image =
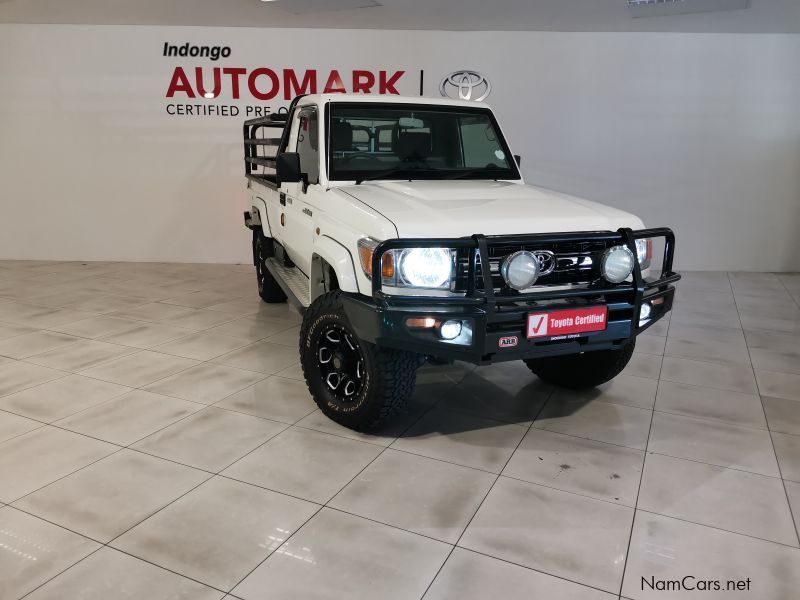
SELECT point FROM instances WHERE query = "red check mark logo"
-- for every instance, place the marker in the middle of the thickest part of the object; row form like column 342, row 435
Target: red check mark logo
column 536, row 326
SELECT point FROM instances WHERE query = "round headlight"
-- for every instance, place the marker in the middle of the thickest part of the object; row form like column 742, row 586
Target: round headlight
column 426, row 267
column 520, row 270
column 617, row 264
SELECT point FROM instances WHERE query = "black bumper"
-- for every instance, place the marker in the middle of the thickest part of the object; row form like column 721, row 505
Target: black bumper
column 499, row 322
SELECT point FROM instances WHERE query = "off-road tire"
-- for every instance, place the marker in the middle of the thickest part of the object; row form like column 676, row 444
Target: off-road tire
column 268, row 288
column 582, row 371
column 387, row 376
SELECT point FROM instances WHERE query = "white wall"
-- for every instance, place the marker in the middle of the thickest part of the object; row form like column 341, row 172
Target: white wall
column 699, row 132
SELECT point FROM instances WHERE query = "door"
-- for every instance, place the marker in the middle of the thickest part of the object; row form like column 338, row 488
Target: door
column 298, row 228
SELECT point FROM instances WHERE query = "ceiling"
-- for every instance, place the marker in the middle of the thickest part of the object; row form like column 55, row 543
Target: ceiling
column 763, row 16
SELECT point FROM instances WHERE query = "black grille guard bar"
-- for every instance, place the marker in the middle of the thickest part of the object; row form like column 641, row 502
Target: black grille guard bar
column 480, row 243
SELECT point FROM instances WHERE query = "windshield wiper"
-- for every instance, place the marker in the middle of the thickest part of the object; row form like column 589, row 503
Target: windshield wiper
column 386, row 173
column 483, row 170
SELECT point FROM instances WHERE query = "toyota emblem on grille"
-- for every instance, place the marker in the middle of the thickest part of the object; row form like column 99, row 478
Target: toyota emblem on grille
column 547, row 261
column 465, row 85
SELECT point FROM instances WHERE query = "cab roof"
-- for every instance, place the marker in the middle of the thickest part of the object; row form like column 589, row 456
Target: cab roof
column 322, row 99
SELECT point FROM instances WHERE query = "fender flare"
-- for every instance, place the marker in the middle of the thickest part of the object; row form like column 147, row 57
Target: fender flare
column 260, row 205
column 339, row 258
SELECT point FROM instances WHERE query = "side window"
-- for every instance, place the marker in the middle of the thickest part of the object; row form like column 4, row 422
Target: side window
column 308, row 144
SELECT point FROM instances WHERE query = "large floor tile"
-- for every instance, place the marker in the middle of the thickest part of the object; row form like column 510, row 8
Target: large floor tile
column 723, row 377
column 787, row 447
column 709, row 316
column 714, row 443
column 16, row 376
column 130, row 417
column 644, row 365
column 782, row 415
column 8, row 330
column 288, row 337
column 260, row 356
column 304, row 463
column 470, row 576
column 210, row 439
column 146, row 335
column 710, row 403
column 97, row 327
column 61, row 397
column 793, row 493
column 665, row 549
column 702, row 493
column 57, row 453
column 218, row 532
column 710, row 344
column 780, row 320
column 140, row 369
column 34, row 551
column 23, row 346
column 463, row 439
column 419, row 494
column 81, row 355
column 383, row 436
column 252, row 328
column 601, row 421
column 153, row 311
column 604, row 471
column 199, row 299
column 12, row 425
column 774, row 351
column 206, row 383
column 566, row 535
column 276, row 398
column 198, row 320
column 112, row 495
column 203, row 345
column 639, row 392
column 109, row 573
column 504, row 392
column 336, row 555
column 780, row 385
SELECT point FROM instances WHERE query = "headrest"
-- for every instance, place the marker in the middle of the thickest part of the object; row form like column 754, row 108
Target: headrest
column 341, row 136
column 413, row 144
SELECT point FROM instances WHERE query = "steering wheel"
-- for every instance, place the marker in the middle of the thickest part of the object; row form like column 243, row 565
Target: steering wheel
column 359, row 156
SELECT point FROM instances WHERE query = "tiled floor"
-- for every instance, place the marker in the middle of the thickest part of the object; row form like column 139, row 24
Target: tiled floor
column 156, row 441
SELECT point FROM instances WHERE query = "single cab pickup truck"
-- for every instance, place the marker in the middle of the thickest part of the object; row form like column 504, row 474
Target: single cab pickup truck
column 403, row 231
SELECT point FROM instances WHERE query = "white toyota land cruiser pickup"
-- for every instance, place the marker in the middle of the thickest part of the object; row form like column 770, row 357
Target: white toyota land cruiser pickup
column 402, row 229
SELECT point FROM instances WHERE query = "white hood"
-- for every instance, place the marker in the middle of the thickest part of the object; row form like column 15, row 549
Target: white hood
column 463, row 208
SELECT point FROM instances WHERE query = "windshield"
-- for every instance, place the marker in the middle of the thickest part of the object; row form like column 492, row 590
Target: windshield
column 407, row 141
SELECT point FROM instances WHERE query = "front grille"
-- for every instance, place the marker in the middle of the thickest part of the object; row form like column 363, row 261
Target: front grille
column 577, row 263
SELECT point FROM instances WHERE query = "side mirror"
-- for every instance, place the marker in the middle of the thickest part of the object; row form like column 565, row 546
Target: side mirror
column 518, row 159
column 287, row 167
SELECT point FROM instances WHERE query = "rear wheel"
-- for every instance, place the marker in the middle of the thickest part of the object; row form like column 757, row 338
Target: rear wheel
column 355, row 383
column 581, row 371
column 268, row 288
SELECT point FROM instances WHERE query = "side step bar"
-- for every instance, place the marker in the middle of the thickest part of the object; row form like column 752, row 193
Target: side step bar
column 293, row 283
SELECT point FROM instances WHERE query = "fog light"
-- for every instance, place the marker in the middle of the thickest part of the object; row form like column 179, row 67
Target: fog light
column 450, row 330
column 520, row 270
column 645, row 311
column 617, row 264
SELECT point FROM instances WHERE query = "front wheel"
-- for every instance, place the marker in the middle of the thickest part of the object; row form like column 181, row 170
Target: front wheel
column 582, row 371
column 355, row 383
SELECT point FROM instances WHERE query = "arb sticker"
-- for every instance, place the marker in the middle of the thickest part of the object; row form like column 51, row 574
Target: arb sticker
column 565, row 322
column 508, row 342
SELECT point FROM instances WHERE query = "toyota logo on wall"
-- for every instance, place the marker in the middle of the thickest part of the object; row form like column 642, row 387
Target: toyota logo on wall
column 465, row 85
